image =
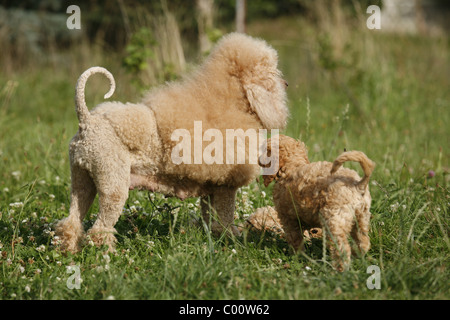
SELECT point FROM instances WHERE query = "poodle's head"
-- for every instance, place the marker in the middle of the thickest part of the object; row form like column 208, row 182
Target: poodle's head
column 255, row 64
column 284, row 151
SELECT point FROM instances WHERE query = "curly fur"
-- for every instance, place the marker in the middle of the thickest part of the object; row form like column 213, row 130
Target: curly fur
column 125, row 146
column 265, row 219
column 322, row 194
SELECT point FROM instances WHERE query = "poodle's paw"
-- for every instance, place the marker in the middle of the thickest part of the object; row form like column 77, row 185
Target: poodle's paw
column 69, row 234
column 218, row 229
column 102, row 236
column 235, row 230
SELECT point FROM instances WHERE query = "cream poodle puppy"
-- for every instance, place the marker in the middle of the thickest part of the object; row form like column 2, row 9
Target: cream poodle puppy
column 120, row 146
column 321, row 195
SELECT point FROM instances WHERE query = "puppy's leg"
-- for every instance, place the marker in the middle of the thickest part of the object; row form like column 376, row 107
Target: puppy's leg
column 112, row 187
column 340, row 250
column 338, row 225
column 218, row 210
column 360, row 231
column 292, row 229
column 70, row 230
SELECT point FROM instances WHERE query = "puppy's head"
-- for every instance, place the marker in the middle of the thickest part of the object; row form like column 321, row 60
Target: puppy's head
column 282, row 150
column 255, row 64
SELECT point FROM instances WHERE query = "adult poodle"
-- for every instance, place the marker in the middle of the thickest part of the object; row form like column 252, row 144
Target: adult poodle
column 120, row 146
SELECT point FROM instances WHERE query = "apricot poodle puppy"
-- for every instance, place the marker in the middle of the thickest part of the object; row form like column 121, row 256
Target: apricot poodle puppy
column 120, row 146
column 321, row 194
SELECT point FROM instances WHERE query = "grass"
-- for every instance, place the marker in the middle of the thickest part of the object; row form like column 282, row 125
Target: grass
column 386, row 95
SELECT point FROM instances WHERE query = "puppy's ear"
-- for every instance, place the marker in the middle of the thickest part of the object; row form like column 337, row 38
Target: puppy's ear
column 267, row 97
column 268, row 179
column 269, row 160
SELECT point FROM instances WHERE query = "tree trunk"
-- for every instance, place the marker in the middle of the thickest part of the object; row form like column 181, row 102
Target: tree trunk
column 240, row 16
column 205, row 11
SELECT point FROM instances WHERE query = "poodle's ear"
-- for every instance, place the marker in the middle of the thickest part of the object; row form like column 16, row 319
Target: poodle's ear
column 255, row 64
column 267, row 98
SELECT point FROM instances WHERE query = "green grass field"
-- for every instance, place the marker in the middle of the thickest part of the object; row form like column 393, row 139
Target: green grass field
column 386, row 95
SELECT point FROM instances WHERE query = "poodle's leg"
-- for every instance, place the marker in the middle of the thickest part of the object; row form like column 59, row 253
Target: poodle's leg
column 293, row 231
column 360, row 231
column 207, row 207
column 218, row 210
column 112, row 189
column 70, row 229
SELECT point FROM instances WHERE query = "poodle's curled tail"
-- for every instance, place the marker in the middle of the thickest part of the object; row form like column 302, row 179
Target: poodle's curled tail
column 80, row 103
column 366, row 164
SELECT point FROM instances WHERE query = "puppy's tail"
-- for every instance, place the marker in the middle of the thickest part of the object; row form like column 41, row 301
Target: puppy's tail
column 80, row 103
column 366, row 164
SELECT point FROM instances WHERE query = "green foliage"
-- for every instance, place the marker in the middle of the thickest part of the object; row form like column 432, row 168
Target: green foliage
column 138, row 53
column 145, row 62
column 326, row 58
column 259, row 9
column 214, row 35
